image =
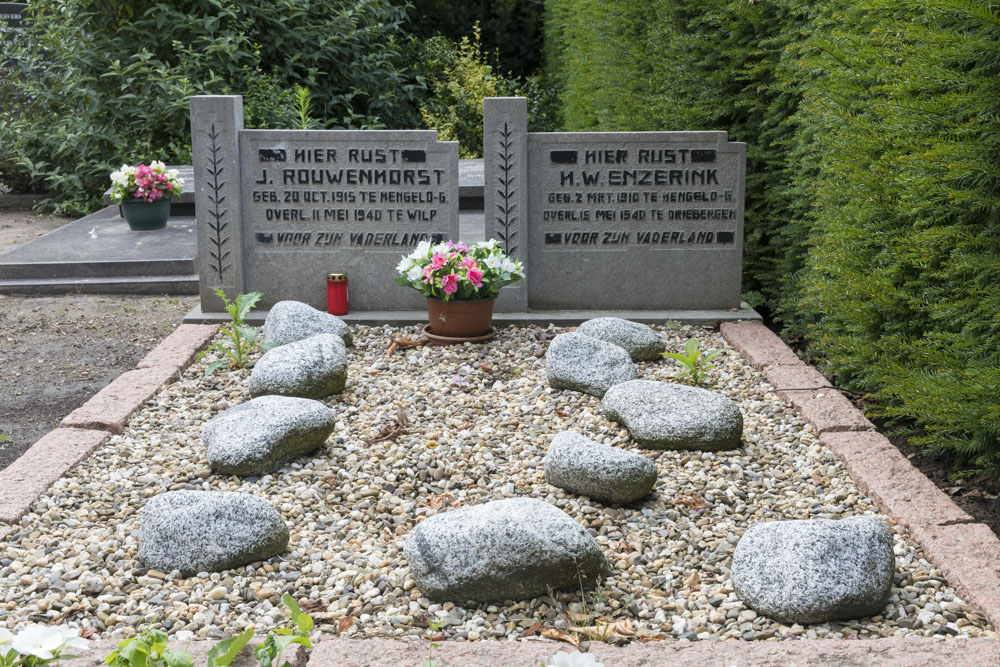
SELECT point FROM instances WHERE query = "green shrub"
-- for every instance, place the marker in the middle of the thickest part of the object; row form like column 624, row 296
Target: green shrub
column 108, row 81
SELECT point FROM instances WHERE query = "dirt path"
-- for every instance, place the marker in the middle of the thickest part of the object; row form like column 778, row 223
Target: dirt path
column 56, row 352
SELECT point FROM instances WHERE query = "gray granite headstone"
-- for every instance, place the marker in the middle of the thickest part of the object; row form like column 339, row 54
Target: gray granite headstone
column 11, row 14
column 505, row 187
column 343, row 201
column 635, row 220
column 216, row 121
column 278, row 210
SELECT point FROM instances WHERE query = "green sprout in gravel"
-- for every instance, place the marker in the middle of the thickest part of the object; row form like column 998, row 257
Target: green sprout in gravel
column 694, row 362
column 297, row 631
column 242, row 338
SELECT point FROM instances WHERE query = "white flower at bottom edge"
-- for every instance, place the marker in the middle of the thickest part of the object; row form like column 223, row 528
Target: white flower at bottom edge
column 576, row 659
column 5, row 638
column 38, row 640
column 73, row 640
column 404, row 264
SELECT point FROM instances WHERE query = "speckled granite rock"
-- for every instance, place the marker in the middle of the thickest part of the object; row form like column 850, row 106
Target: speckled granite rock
column 208, row 531
column 816, row 570
column 640, row 341
column 289, row 321
column 586, row 364
column 663, row 415
column 259, row 435
column 505, row 549
column 605, row 473
column 312, row 368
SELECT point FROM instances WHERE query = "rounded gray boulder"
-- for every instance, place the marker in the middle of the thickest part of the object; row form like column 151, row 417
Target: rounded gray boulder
column 815, row 570
column 289, row 321
column 208, row 531
column 582, row 363
column 261, row 434
column 511, row 549
column 312, row 368
column 605, row 473
column 641, row 342
column 663, row 415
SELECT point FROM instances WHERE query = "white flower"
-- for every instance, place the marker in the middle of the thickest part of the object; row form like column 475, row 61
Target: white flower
column 414, row 274
column 404, row 264
column 576, row 659
column 157, row 166
column 491, row 244
column 39, row 641
column 440, row 248
column 508, row 265
column 72, row 639
column 423, row 248
column 5, row 638
column 492, row 262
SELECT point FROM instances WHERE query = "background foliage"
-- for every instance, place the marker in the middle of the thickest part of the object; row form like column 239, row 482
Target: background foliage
column 872, row 225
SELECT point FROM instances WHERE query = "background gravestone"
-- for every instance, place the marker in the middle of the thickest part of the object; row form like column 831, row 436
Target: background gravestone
column 11, row 14
column 635, row 220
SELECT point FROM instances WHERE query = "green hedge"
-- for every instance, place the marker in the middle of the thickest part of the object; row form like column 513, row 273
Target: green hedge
column 872, row 224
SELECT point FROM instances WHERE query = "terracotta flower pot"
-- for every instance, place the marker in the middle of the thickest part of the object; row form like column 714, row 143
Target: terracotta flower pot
column 460, row 319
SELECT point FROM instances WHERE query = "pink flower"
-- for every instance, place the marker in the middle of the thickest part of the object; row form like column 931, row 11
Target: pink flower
column 475, row 276
column 470, row 263
column 449, row 284
column 428, row 274
column 437, row 261
column 461, row 247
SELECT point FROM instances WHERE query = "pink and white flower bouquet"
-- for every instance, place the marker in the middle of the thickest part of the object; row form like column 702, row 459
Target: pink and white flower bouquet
column 455, row 272
column 146, row 183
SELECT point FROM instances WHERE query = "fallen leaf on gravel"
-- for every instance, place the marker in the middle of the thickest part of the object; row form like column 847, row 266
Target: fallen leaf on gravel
column 534, row 629
column 553, row 633
column 692, row 580
column 310, row 606
column 344, row 624
column 87, row 633
column 693, row 501
column 606, row 630
column 485, row 367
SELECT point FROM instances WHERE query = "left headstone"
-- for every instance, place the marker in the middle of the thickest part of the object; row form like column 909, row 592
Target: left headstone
column 295, row 205
column 11, row 14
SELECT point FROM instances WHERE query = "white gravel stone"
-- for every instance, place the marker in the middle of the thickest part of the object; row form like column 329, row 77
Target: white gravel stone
column 289, row 321
column 506, row 549
column 664, row 415
column 586, row 364
column 314, row 367
column 639, row 340
column 605, row 473
column 815, row 570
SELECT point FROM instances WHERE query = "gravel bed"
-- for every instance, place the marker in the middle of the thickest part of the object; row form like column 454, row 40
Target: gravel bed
column 477, row 420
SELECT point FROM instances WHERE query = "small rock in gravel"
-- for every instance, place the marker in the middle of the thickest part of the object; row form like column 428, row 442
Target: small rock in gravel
column 815, row 570
column 640, row 341
column 208, row 531
column 664, row 415
column 504, row 549
column 582, row 363
column 289, row 321
column 261, row 434
column 605, row 473
column 311, row 368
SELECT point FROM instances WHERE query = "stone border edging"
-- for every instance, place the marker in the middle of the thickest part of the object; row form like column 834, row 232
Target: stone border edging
column 89, row 426
column 968, row 553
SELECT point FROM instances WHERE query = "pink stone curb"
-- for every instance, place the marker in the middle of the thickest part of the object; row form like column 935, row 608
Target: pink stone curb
column 110, row 408
column 893, row 652
column 968, row 553
column 51, row 457
column 180, row 347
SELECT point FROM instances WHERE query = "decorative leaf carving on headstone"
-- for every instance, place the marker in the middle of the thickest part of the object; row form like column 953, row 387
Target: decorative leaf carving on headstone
column 506, row 215
column 218, row 238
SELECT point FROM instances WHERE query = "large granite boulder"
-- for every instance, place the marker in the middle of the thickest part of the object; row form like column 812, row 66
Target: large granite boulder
column 641, row 342
column 259, row 435
column 208, row 531
column 663, row 415
column 605, row 473
column 816, row 570
column 311, row 368
column 582, row 363
column 289, row 321
column 501, row 550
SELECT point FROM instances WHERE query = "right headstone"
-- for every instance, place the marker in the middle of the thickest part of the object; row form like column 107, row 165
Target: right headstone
column 633, row 220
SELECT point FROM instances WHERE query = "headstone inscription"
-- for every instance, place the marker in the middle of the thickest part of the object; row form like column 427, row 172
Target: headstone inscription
column 629, row 220
column 311, row 202
column 11, row 14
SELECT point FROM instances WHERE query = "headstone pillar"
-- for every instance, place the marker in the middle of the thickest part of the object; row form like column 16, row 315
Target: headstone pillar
column 216, row 121
column 505, row 153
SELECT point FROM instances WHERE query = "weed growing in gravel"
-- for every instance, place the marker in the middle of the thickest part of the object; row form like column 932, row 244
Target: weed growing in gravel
column 694, row 362
column 242, row 339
